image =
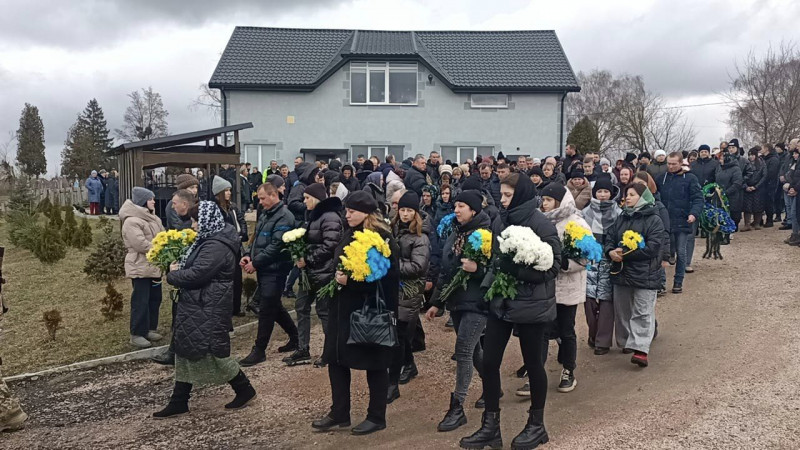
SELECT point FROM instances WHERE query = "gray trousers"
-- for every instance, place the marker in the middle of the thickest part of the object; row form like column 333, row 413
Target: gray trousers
column 469, row 327
column 302, row 307
column 600, row 319
column 635, row 311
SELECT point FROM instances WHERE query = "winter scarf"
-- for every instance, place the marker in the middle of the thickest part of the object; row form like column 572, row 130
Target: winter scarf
column 209, row 223
column 564, row 210
column 601, row 215
column 646, row 199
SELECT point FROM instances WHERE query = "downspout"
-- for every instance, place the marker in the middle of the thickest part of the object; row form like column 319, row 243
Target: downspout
column 561, row 131
column 224, row 108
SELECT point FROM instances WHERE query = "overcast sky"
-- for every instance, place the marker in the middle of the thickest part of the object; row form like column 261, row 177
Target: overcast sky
column 59, row 54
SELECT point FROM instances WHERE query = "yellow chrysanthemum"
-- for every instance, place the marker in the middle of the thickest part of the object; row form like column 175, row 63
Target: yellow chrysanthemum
column 631, row 239
column 575, row 231
column 354, row 259
column 486, row 242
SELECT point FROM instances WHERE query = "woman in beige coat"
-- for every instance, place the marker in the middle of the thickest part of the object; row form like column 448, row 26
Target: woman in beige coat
column 140, row 225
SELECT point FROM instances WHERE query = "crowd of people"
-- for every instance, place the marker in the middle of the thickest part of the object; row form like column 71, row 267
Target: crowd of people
column 103, row 191
column 427, row 211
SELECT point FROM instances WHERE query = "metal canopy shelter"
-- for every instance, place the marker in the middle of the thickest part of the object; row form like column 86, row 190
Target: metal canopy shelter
column 135, row 157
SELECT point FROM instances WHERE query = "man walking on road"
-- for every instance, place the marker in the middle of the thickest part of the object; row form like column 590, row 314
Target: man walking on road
column 683, row 198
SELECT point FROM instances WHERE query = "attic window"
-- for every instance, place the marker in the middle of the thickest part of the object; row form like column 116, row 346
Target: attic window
column 369, row 82
column 489, row 100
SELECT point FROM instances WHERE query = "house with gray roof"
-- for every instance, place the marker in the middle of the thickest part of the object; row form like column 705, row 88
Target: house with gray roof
column 340, row 93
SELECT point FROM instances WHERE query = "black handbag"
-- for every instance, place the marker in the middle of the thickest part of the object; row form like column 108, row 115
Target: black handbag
column 374, row 326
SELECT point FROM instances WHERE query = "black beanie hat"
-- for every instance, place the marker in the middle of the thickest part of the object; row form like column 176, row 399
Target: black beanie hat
column 361, row 201
column 703, row 147
column 317, row 190
column 368, row 166
column 472, row 198
column 645, row 154
column 536, row 171
column 577, row 172
column 603, row 183
column 409, row 200
column 473, row 182
column 629, row 157
column 554, row 190
column 734, row 143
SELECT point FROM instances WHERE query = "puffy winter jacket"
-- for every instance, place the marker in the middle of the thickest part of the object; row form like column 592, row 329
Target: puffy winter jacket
column 393, row 184
column 139, row 227
column 705, row 170
column 570, row 283
column 441, row 209
column 95, row 189
column 414, row 259
column 640, row 268
column 415, row 180
column 295, row 198
column 324, row 232
column 235, row 218
column 470, row 300
column 268, row 252
column 681, row 194
column 203, row 315
column 536, row 290
column 657, row 169
column 729, row 177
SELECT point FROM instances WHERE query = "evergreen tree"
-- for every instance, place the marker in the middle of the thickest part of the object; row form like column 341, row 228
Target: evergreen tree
column 584, row 136
column 30, row 142
column 88, row 145
column 23, row 230
column 50, row 247
column 21, row 197
column 112, row 303
column 70, row 225
column 55, row 215
column 107, row 260
column 83, row 237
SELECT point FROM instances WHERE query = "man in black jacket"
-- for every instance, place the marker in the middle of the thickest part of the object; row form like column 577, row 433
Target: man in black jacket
column 269, row 260
column 432, row 167
column 490, row 182
column 570, row 159
column 416, row 177
column 705, row 168
column 773, row 166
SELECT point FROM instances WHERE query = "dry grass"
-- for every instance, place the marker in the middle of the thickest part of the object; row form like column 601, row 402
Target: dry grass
column 33, row 287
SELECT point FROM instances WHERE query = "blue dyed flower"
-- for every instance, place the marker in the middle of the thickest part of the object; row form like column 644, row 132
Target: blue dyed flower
column 378, row 265
column 446, row 225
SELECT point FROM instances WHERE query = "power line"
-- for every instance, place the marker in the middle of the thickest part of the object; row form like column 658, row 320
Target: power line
column 601, row 113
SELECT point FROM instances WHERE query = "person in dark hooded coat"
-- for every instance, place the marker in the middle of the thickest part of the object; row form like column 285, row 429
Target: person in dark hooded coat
column 202, row 345
column 530, row 313
column 349, row 179
column 308, row 173
column 729, row 178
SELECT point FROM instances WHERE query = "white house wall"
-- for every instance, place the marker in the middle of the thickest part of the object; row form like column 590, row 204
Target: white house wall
column 324, row 118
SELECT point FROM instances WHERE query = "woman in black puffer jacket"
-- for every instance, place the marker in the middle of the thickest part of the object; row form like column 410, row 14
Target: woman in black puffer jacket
column 635, row 274
column 467, row 307
column 324, row 232
column 753, row 204
column 531, row 312
column 203, row 315
column 411, row 234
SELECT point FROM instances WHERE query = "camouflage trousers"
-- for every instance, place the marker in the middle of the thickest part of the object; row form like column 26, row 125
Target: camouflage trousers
column 9, row 405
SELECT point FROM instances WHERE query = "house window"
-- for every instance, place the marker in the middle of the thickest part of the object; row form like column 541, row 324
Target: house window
column 459, row 155
column 383, row 83
column 489, row 100
column 380, row 152
column 258, row 155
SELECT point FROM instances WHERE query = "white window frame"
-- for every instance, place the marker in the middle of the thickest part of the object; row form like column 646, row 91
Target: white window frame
column 385, row 151
column 497, row 106
column 387, row 68
column 259, row 153
column 474, row 155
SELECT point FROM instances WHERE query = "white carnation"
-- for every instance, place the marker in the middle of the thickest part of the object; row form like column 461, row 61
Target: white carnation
column 526, row 246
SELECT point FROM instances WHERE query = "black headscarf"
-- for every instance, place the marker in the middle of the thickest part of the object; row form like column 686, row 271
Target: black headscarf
column 524, row 192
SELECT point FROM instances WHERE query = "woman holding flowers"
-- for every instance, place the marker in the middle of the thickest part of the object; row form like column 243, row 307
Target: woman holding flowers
column 362, row 215
column 140, row 225
column 467, row 306
column 635, row 244
column 601, row 214
column 411, row 234
column 201, row 343
column 325, row 231
column 558, row 205
column 530, row 311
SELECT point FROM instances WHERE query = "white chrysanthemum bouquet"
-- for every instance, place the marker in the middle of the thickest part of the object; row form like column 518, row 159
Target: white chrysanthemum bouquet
column 296, row 244
column 522, row 246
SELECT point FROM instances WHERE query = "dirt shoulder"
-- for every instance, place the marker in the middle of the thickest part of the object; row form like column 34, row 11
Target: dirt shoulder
column 724, row 374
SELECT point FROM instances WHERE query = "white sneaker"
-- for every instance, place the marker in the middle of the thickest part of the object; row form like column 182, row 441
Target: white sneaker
column 139, row 341
column 153, row 335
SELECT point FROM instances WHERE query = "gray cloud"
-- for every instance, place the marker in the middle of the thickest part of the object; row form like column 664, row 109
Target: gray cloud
column 91, row 23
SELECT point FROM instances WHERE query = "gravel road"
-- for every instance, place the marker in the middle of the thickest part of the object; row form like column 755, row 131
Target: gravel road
column 724, row 373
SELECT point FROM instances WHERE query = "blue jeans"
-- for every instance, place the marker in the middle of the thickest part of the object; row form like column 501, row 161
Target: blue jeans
column 791, row 204
column 677, row 242
column 469, row 327
column 690, row 244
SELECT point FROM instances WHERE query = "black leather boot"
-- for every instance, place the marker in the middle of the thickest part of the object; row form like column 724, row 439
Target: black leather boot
column 487, row 435
column 244, row 391
column 392, row 394
column 455, row 416
column 178, row 402
column 534, row 434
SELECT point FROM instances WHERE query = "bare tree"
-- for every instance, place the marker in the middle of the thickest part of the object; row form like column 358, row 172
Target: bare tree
column 145, row 117
column 765, row 92
column 595, row 100
column 8, row 172
column 209, row 99
column 670, row 130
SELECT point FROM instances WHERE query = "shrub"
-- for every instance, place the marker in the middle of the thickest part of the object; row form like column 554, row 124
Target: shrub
column 55, row 215
column 103, row 222
column 83, row 237
column 52, row 321
column 49, row 247
column 21, row 197
column 70, row 225
column 45, row 206
column 112, row 303
column 106, row 263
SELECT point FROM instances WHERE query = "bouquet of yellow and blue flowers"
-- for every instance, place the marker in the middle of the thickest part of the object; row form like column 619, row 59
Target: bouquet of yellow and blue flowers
column 579, row 243
column 477, row 248
column 364, row 259
column 631, row 241
column 169, row 246
column 296, row 243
